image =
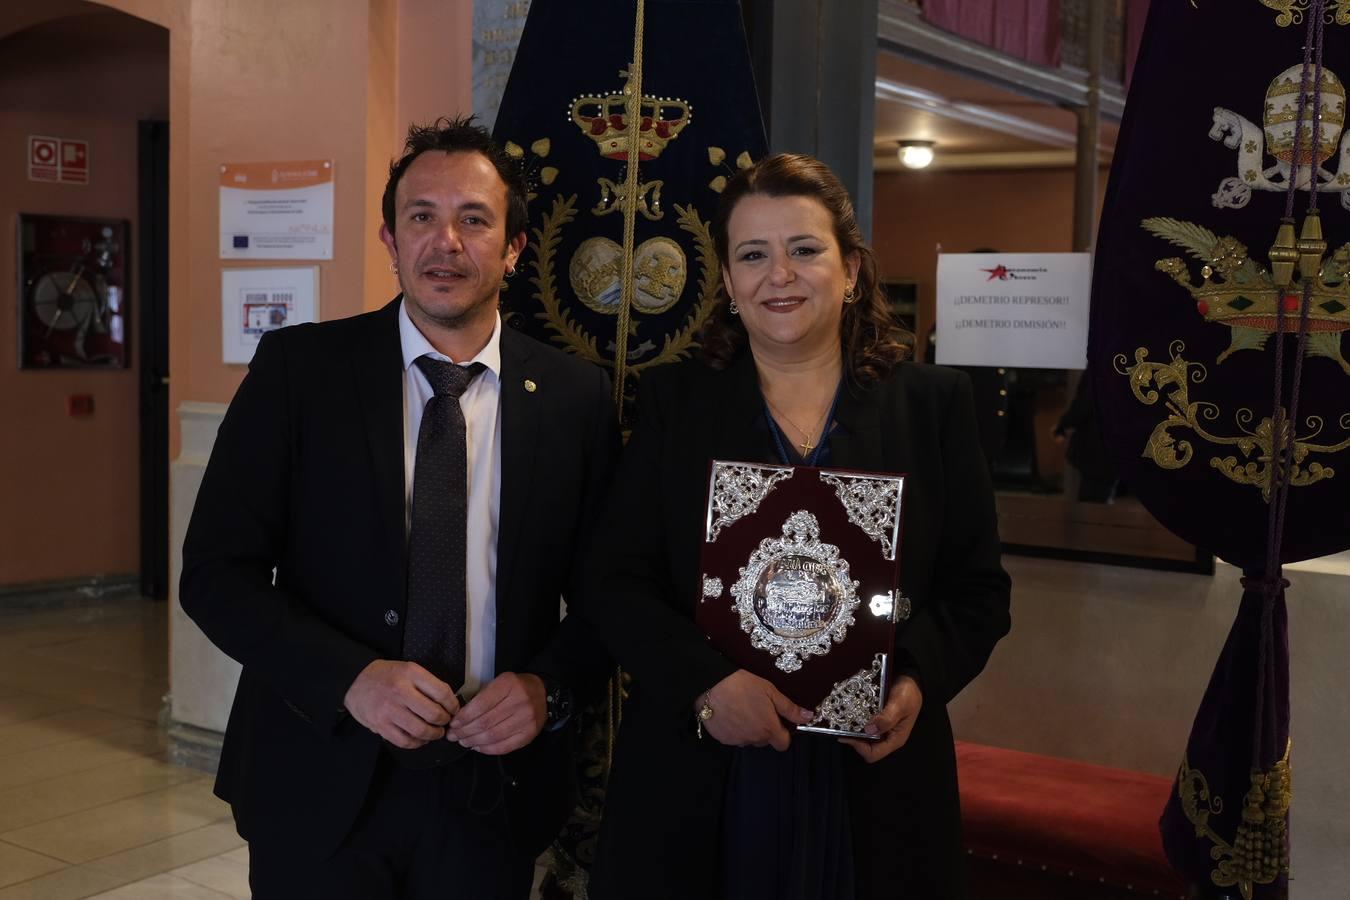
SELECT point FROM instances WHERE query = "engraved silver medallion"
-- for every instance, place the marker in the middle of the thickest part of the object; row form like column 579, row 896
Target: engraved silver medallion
column 794, row 596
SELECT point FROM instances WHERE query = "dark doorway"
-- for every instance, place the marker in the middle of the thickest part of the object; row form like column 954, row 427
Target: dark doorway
column 153, row 332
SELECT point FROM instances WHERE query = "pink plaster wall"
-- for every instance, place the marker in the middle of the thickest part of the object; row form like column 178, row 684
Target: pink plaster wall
column 69, row 487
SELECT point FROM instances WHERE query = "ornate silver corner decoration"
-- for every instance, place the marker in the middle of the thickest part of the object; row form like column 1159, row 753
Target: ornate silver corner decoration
column 872, row 503
column 738, row 490
column 794, row 595
column 853, row 701
column 712, row 588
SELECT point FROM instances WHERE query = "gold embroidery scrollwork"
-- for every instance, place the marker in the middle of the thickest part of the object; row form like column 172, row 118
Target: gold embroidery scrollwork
column 1162, row 447
column 1260, row 850
column 1291, row 11
column 613, row 197
column 547, row 239
column 1170, row 382
column 1260, row 441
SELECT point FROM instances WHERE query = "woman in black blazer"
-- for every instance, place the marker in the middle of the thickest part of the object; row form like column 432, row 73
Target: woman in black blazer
column 803, row 365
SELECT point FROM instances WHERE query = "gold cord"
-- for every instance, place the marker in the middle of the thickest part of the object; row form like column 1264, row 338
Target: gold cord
column 633, row 114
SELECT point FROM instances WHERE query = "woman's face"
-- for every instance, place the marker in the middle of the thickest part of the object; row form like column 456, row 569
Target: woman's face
column 786, row 271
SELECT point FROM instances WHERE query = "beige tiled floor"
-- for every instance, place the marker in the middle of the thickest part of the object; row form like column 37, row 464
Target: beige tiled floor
column 89, row 805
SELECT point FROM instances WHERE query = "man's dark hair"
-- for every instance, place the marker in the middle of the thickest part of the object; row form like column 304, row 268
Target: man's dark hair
column 460, row 135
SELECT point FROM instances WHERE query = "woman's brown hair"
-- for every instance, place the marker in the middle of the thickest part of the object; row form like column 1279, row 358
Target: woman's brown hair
column 873, row 341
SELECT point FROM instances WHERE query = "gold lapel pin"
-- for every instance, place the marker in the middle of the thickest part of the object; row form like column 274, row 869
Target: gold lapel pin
column 530, row 386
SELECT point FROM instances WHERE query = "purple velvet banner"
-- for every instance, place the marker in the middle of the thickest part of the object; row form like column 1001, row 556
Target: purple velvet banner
column 1222, row 383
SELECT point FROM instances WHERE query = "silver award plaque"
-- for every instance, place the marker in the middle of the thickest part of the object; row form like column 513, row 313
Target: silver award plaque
column 799, row 583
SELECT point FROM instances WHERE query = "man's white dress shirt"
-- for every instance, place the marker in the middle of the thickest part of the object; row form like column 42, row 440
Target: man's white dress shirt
column 481, row 404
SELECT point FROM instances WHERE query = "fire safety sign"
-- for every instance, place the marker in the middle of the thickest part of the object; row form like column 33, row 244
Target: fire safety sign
column 60, row 160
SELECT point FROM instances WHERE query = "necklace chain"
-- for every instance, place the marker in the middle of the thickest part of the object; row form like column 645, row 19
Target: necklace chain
column 806, row 444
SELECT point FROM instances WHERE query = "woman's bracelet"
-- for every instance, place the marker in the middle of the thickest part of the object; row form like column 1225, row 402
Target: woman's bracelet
column 703, row 715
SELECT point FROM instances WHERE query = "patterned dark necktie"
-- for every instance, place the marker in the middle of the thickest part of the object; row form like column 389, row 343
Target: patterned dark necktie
column 434, row 633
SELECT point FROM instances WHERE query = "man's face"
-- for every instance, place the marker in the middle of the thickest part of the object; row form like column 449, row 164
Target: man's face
column 450, row 240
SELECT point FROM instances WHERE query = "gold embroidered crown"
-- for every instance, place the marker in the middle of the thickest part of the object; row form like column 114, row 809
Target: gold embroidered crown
column 604, row 119
column 1236, row 292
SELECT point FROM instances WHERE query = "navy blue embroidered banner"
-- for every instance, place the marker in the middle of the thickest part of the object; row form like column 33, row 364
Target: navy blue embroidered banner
column 626, row 147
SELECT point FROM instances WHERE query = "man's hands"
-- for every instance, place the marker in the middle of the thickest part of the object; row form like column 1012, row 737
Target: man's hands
column 408, row 707
column 893, row 723
column 749, row 712
column 506, row 715
column 401, row 702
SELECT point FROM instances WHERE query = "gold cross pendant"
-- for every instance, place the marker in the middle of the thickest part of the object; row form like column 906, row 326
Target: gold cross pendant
column 806, row 446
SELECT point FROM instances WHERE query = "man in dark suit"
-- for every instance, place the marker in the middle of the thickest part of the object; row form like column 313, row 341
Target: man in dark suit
column 389, row 518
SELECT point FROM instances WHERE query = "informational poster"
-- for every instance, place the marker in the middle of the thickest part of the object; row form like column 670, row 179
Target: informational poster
column 1023, row 310
column 497, row 25
column 277, row 210
column 256, row 301
column 61, row 160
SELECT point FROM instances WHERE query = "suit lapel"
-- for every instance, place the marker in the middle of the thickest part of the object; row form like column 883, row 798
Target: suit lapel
column 521, row 411
column 737, row 432
column 858, row 443
column 378, row 361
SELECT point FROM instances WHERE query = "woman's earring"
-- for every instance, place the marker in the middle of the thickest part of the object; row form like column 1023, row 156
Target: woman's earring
column 735, row 310
column 848, row 295
column 393, row 266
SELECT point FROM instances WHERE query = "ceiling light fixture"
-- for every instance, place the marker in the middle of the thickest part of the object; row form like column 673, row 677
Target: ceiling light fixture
column 916, row 154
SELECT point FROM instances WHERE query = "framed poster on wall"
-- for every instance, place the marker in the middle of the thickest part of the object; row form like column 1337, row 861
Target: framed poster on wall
column 254, row 301
column 74, row 281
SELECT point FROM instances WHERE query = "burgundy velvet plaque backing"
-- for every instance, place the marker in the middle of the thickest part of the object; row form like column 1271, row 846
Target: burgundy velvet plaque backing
column 798, row 583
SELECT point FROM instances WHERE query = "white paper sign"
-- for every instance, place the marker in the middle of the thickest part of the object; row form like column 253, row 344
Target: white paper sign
column 1024, row 310
column 256, row 301
column 277, row 210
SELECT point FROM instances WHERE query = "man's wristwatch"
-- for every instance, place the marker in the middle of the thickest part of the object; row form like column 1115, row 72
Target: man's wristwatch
column 557, row 704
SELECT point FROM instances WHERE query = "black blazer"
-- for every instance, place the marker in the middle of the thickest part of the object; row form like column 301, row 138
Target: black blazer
column 307, row 477
column 904, row 810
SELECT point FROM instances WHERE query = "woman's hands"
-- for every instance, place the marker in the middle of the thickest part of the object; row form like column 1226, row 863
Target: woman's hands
column 749, row 712
column 893, row 723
